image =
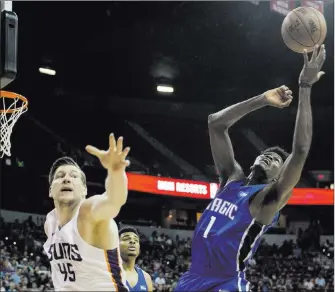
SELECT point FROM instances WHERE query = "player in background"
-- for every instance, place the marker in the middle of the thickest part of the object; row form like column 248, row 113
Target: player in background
column 83, row 240
column 229, row 231
column 137, row 279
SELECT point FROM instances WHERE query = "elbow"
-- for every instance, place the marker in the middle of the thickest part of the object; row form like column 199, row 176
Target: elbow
column 210, row 120
column 213, row 123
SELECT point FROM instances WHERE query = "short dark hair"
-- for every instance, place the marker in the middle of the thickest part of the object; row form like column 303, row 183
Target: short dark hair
column 64, row 161
column 128, row 229
column 276, row 149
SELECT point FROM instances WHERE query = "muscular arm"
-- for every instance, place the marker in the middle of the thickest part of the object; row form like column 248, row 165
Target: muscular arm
column 218, row 124
column 302, row 139
column 148, row 281
column 108, row 205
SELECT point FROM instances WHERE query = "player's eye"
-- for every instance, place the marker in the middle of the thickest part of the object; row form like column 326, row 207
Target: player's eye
column 59, row 174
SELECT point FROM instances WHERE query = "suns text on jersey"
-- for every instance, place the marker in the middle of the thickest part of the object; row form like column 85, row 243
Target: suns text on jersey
column 63, row 250
column 223, row 207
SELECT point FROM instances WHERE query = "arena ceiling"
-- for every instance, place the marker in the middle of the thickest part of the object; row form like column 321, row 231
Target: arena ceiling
column 110, row 56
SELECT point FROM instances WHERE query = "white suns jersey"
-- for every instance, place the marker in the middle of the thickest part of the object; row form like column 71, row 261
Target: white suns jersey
column 78, row 266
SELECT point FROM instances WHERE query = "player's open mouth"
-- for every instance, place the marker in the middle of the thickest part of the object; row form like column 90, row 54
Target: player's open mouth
column 132, row 248
column 66, row 189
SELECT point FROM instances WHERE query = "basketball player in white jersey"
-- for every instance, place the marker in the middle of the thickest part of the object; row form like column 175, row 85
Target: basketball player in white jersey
column 83, row 240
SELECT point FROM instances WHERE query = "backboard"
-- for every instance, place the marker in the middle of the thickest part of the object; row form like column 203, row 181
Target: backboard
column 8, row 43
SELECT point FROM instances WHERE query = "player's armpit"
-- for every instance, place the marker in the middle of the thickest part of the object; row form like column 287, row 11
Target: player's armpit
column 289, row 177
column 99, row 207
column 148, row 281
column 223, row 154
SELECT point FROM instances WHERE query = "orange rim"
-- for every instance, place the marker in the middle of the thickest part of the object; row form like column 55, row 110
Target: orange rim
column 12, row 95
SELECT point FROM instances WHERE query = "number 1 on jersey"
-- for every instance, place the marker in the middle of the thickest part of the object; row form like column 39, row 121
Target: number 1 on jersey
column 209, row 226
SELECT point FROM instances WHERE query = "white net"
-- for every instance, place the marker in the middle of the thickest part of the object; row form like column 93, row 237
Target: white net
column 11, row 110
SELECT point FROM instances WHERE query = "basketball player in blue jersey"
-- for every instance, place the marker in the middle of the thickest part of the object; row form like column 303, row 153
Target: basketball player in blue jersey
column 137, row 279
column 245, row 207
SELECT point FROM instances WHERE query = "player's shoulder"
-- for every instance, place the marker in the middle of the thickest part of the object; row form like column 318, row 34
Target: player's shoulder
column 86, row 206
column 51, row 213
column 145, row 274
column 49, row 219
column 230, row 183
column 89, row 200
column 46, row 228
column 85, row 212
column 148, row 279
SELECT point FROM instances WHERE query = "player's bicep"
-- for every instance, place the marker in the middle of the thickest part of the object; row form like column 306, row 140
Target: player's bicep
column 290, row 176
column 223, row 154
column 149, row 282
column 99, row 208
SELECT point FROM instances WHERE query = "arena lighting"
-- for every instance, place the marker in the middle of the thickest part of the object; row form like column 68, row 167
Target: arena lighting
column 47, row 71
column 164, row 88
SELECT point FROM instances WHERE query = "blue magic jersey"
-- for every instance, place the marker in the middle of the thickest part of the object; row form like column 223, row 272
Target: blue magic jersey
column 225, row 239
column 141, row 284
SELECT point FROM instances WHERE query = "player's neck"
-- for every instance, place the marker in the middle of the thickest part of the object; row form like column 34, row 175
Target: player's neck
column 256, row 178
column 65, row 213
column 129, row 264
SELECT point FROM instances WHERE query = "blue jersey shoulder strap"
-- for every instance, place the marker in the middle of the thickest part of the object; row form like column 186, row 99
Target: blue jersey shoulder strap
column 141, row 284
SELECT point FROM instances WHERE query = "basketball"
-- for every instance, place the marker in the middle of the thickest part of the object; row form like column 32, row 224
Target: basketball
column 303, row 28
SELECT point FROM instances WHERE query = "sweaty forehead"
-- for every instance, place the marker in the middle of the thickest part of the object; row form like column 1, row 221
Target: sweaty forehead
column 67, row 169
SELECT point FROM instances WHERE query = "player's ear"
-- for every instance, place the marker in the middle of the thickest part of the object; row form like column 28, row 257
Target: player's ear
column 50, row 196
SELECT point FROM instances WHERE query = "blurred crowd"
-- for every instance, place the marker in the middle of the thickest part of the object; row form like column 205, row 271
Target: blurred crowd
column 289, row 267
column 23, row 264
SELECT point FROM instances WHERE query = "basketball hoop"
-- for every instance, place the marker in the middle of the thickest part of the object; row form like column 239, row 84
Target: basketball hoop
column 12, row 106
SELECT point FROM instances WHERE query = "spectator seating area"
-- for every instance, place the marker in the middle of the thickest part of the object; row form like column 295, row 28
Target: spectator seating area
column 24, row 265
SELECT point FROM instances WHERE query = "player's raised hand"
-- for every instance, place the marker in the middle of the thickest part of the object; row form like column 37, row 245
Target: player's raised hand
column 279, row 97
column 311, row 71
column 114, row 159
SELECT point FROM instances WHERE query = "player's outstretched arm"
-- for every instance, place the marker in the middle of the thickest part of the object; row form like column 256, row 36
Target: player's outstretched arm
column 219, row 123
column 223, row 155
column 302, row 138
column 108, row 205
